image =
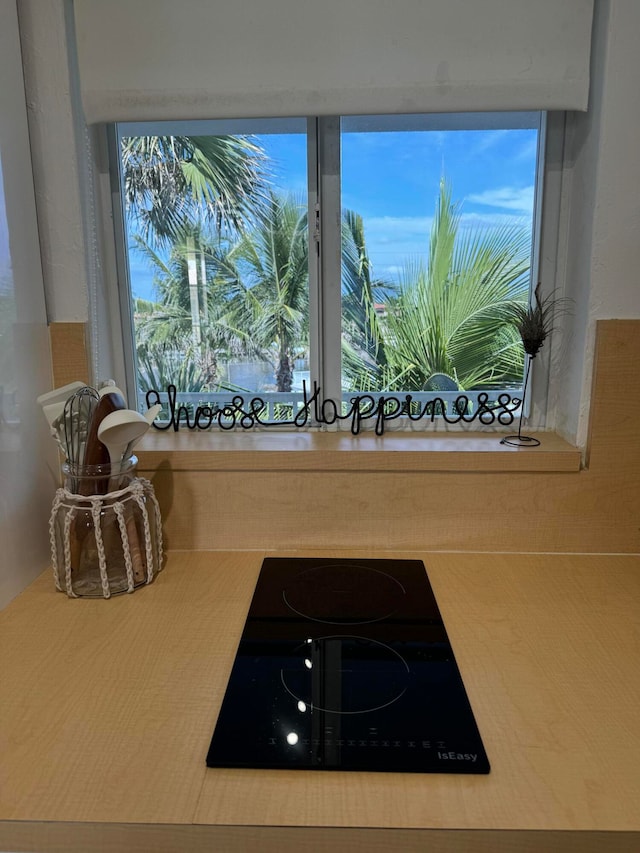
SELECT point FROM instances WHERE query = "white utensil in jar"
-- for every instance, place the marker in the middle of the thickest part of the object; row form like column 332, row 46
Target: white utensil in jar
column 119, row 431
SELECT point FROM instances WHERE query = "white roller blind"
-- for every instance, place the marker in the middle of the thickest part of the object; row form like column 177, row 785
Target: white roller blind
column 188, row 59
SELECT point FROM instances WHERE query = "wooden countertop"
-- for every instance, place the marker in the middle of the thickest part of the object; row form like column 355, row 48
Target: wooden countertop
column 107, row 709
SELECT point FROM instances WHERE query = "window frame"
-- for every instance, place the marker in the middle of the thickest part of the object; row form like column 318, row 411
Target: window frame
column 325, row 270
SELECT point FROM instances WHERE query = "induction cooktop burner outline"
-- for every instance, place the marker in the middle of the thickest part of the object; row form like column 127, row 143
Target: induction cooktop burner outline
column 341, row 593
column 347, row 688
column 379, row 690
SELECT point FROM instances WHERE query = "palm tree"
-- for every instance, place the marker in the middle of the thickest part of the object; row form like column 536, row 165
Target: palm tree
column 362, row 349
column 174, row 184
column 175, row 181
column 451, row 324
column 269, row 264
column 186, row 328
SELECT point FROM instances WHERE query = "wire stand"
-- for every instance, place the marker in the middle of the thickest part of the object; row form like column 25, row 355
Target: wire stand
column 520, row 440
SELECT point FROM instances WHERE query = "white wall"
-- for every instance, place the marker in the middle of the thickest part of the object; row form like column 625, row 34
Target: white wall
column 28, row 464
column 600, row 191
column 615, row 283
column 603, row 201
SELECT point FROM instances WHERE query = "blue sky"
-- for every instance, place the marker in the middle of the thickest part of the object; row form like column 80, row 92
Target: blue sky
column 392, row 178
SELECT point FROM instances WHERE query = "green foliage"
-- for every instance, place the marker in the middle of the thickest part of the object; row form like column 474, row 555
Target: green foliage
column 173, row 182
column 167, row 339
column 253, row 301
column 160, row 366
column 453, row 316
column 144, row 306
column 269, row 269
column 363, row 354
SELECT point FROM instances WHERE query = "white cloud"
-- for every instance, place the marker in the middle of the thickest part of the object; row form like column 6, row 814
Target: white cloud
column 389, row 227
column 508, row 198
column 393, row 240
column 489, row 139
column 528, row 151
column 494, row 220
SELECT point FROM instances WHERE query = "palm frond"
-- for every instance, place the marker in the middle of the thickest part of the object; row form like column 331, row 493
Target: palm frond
column 453, row 315
column 174, row 181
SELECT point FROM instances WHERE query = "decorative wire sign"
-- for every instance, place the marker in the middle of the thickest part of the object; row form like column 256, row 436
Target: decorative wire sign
column 316, row 411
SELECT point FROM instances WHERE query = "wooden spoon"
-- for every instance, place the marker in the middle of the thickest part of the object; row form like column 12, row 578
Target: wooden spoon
column 96, row 453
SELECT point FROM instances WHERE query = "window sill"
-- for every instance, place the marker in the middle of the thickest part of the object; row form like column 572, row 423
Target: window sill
column 338, row 451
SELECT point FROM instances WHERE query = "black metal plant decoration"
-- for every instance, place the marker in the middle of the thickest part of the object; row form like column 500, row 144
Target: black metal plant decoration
column 534, row 324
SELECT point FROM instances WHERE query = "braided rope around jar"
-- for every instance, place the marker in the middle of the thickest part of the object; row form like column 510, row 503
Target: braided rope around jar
column 96, row 507
column 118, row 508
column 58, row 504
column 57, row 501
column 68, row 520
column 141, row 490
column 156, row 507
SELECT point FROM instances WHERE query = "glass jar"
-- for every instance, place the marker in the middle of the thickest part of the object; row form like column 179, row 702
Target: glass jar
column 105, row 531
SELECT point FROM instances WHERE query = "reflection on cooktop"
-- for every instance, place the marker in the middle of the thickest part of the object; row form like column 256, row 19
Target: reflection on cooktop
column 344, row 594
column 346, row 665
column 346, row 675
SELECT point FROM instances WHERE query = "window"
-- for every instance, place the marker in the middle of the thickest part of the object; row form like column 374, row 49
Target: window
column 377, row 255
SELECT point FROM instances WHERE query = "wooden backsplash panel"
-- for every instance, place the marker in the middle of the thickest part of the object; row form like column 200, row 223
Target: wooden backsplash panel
column 467, row 512
column 594, row 510
column 614, row 419
column 69, row 353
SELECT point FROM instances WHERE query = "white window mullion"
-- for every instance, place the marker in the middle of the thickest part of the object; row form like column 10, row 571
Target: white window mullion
column 330, row 256
column 315, row 308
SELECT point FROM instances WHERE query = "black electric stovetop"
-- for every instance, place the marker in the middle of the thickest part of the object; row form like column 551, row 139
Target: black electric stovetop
column 346, row 665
